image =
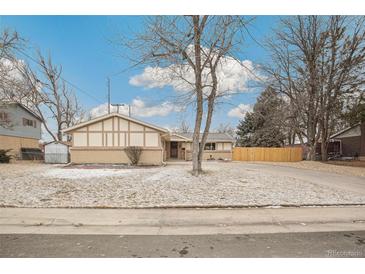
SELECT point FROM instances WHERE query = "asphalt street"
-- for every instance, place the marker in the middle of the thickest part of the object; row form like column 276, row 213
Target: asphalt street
column 314, row 244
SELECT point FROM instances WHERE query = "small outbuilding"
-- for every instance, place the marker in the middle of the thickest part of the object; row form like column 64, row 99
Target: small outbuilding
column 56, row 153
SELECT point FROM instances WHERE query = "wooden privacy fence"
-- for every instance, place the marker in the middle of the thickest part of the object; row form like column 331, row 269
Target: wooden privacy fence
column 269, row 154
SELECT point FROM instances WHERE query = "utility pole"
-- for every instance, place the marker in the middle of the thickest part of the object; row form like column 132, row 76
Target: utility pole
column 108, row 81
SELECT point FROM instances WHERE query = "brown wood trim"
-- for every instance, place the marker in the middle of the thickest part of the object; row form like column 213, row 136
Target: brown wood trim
column 112, row 148
column 113, row 144
column 102, row 135
column 125, row 139
column 116, row 131
column 144, row 136
column 87, row 136
column 129, row 133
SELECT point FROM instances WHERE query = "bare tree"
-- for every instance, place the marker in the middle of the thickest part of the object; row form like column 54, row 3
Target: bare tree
column 341, row 71
column 317, row 60
column 9, row 41
column 134, row 154
column 226, row 128
column 60, row 101
column 50, row 98
column 183, row 127
column 192, row 48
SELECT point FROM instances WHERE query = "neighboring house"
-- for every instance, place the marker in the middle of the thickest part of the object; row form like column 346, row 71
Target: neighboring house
column 351, row 141
column 104, row 139
column 20, row 128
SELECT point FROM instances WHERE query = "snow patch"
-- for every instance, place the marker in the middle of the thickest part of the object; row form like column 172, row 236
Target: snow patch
column 85, row 173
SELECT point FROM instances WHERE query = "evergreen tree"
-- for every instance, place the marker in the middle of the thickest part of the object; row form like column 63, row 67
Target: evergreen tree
column 245, row 130
column 265, row 125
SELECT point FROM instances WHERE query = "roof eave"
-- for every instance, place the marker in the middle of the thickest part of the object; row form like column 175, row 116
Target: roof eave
column 343, row 131
column 25, row 108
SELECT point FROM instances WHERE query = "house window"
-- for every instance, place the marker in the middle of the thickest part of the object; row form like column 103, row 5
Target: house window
column 29, row 123
column 4, row 116
column 209, row 146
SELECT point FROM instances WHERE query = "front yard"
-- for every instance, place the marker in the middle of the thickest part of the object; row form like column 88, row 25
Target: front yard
column 223, row 184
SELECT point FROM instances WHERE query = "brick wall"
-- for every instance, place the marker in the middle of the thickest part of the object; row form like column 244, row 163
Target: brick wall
column 16, row 143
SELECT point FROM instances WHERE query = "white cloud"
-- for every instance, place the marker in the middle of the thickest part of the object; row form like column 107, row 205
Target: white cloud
column 240, row 111
column 233, row 76
column 138, row 108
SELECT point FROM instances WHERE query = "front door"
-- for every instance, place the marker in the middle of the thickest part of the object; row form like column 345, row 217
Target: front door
column 173, row 150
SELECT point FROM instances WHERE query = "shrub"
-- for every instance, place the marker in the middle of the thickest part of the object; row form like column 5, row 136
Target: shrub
column 134, row 153
column 4, row 157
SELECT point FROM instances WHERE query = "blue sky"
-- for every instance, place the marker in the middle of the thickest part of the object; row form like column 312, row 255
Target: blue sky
column 82, row 45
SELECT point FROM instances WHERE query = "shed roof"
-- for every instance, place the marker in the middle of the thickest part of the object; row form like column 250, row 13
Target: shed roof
column 58, row 142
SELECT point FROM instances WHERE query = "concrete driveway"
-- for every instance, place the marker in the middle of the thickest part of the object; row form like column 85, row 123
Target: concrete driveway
column 354, row 184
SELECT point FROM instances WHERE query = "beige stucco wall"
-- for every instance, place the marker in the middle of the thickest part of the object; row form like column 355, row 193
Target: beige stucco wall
column 217, row 155
column 223, row 151
column 105, row 141
column 16, row 143
column 113, row 156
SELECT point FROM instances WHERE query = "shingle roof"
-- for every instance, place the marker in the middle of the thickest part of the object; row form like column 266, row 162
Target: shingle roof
column 212, row 137
column 345, row 130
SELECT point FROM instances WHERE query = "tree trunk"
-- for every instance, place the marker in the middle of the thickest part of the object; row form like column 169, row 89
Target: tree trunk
column 312, row 130
column 59, row 135
column 324, row 140
column 324, row 150
column 211, row 101
column 199, row 98
column 312, row 152
column 206, row 131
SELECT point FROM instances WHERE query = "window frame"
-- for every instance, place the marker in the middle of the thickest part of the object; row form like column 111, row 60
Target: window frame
column 29, row 123
column 211, row 146
column 4, row 116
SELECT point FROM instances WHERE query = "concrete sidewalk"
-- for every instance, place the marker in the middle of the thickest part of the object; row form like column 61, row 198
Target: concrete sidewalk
column 180, row 221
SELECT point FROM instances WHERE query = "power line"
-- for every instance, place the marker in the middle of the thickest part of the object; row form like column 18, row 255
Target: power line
column 67, row 81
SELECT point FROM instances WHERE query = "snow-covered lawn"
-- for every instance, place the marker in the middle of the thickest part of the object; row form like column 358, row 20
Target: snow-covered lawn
column 223, row 184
